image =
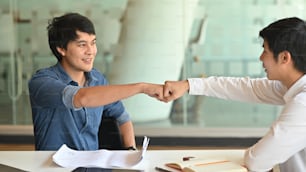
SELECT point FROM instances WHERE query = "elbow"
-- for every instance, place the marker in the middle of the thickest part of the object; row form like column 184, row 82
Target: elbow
column 254, row 164
column 250, row 163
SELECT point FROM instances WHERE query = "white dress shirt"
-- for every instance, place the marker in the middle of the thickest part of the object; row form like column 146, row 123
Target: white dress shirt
column 285, row 141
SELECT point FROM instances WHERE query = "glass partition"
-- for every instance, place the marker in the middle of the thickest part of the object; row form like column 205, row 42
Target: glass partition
column 150, row 41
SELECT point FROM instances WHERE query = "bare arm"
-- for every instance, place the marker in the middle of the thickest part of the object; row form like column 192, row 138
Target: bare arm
column 102, row 95
column 128, row 136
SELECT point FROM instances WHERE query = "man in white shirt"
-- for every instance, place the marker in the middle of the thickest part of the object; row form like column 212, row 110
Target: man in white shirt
column 284, row 61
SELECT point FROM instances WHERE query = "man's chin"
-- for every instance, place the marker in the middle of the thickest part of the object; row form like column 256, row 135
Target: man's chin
column 88, row 69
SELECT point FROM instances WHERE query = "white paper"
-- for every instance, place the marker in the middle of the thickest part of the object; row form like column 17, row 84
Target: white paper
column 70, row 158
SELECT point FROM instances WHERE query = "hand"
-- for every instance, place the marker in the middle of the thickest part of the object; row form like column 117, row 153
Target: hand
column 154, row 90
column 174, row 90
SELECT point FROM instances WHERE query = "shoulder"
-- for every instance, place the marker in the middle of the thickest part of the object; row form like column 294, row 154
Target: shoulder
column 96, row 75
column 44, row 72
column 50, row 74
column 96, row 72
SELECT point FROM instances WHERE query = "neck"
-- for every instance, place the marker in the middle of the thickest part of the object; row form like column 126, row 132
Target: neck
column 76, row 75
column 292, row 79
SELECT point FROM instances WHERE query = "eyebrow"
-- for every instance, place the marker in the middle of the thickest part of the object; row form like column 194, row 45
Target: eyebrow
column 79, row 41
column 83, row 41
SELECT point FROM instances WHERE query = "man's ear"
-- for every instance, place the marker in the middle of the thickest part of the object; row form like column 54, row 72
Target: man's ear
column 62, row 51
column 284, row 56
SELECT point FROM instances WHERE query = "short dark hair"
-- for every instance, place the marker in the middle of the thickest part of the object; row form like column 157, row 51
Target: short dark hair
column 288, row 34
column 63, row 29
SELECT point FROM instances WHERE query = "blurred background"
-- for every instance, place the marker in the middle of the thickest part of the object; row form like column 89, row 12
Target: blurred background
column 149, row 41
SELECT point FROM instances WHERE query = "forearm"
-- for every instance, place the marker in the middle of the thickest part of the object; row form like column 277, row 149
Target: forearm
column 102, row 95
column 127, row 133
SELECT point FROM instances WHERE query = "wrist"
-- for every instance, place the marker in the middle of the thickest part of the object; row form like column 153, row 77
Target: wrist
column 187, row 86
column 142, row 87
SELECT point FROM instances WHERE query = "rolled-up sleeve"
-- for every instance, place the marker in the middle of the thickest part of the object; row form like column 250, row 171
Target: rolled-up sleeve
column 123, row 118
column 68, row 95
column 117, row 111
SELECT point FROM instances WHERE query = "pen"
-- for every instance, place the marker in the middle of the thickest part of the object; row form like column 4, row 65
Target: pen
column 208, row 163
column 187, row 158
column 162, row 169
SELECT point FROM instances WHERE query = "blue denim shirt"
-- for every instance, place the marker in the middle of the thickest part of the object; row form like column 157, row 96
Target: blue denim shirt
column 56, row 121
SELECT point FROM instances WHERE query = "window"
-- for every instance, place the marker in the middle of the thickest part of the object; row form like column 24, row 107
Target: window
column 149, row 41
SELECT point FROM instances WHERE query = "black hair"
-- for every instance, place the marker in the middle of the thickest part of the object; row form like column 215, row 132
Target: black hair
column 63, row 29
column 288, row 34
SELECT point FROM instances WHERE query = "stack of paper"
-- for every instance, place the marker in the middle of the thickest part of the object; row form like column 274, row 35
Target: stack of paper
column 103, row 158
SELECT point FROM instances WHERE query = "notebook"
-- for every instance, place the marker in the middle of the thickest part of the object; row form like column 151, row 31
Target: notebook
column 207, row 165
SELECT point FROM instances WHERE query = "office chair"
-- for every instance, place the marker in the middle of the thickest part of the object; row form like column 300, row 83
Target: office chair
column 109, row 134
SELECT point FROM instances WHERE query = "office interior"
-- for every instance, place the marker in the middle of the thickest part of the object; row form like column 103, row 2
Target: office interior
column 149, row 41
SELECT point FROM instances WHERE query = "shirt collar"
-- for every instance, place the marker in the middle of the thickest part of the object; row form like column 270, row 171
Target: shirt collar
column 67, row 79
column 296, row 88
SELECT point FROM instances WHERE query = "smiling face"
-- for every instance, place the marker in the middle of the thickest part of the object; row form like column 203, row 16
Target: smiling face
column 270, row 65
column 79, row 54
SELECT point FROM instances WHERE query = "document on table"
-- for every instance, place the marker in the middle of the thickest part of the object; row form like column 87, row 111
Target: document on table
column 70, row 158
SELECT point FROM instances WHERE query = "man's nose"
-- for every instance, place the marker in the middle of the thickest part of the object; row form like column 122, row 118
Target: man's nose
column 90, row 49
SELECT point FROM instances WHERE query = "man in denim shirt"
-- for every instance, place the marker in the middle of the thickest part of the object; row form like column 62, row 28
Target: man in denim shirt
column 69, row 98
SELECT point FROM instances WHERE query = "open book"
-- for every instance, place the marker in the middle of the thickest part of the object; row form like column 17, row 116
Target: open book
column 207, row 165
